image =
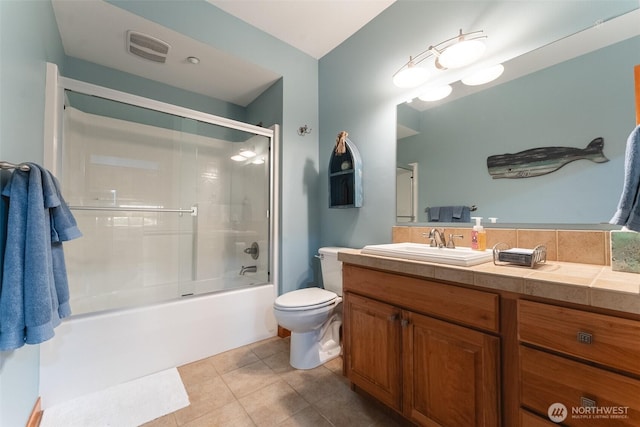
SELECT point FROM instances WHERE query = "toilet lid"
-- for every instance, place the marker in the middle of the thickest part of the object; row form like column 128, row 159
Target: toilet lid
column 305, row 299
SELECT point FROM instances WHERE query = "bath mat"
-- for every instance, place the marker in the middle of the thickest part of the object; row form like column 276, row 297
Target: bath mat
column 129, row 404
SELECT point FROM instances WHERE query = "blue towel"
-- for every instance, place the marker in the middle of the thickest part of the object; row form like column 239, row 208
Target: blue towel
column 628, row 211
column 448, row 214
column 34, row 294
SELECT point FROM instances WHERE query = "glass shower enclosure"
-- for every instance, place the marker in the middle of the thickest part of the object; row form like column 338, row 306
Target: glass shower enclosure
column 170, row 206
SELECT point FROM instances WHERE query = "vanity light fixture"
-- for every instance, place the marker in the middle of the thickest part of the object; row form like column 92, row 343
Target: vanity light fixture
column 456, row 52
column 484, row 75
column 238, row 158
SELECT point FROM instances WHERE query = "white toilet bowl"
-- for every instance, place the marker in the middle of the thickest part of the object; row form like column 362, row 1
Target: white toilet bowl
column 314, row 317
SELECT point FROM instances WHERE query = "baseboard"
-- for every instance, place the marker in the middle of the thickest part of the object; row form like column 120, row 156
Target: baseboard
column 36, row 415
column 282, row 332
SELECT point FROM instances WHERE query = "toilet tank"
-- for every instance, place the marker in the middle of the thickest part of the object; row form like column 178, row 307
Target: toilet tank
column 331, row 269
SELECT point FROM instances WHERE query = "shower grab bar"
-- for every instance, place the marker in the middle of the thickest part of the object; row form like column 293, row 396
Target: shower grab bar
column 193, row 211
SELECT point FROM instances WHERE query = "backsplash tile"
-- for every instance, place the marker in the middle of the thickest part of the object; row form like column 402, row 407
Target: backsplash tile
column 577, row 246
column 532, row 238
column 586, row 247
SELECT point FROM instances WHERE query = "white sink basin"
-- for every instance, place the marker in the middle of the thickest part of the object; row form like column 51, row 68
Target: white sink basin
column 420, row 252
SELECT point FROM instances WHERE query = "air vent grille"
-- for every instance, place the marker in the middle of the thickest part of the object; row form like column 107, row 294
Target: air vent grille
column 147, row 47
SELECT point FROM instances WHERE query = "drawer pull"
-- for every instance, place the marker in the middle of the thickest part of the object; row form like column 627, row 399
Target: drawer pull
column 404, row 323
column 585, row 402
column 585, row 337
column 393, row 318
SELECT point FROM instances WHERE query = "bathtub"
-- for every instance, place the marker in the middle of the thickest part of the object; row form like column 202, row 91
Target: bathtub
column 96, row 351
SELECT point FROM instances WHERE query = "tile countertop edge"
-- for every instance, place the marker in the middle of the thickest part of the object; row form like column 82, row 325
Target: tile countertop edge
column 586, row 284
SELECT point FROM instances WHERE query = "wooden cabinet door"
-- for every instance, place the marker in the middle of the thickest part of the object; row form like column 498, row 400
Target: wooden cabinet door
column 372, row 337
column 450, row 374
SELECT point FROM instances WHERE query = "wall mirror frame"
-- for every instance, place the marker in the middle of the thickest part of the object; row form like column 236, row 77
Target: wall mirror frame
column 443, row 147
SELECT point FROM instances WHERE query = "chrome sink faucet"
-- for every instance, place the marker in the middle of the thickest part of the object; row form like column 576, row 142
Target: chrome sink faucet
column 248, row 269
column 437, row 238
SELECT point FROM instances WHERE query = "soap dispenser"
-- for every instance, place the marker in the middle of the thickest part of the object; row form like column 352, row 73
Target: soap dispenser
column 478, row 235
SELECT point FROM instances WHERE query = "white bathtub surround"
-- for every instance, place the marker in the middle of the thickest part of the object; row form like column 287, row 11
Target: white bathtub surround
column 91, row 353
column 130, row 404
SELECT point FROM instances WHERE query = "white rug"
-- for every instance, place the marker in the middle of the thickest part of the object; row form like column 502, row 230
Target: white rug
column 129, row 404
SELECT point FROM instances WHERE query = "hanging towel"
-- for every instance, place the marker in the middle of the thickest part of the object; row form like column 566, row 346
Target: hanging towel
column 448, row 214
column 628, row 211
column 34, row 294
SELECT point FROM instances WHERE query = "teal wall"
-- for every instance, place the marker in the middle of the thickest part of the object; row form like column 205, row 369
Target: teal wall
column 22, row 79
column 568, row 104
column 28, row 39
column 357, row 95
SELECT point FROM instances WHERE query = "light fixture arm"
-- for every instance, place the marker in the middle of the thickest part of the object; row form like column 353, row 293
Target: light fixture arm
column 437, row 49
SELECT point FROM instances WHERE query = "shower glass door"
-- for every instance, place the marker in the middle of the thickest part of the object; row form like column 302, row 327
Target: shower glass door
column 165, row 211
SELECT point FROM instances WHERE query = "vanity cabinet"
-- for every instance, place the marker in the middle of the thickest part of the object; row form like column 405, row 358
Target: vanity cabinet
column 588, row 362
column 426, row 349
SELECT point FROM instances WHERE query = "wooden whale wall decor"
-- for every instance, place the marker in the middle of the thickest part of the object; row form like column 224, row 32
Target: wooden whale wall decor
column 541, row 161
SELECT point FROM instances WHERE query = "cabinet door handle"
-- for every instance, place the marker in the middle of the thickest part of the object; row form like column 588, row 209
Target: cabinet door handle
column 585, row 337
column 404, row 323
column 392, row 318
column 585, row 402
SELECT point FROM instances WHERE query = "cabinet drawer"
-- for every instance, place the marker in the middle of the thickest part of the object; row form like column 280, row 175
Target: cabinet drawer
column 547, row 379
column 466, row 306
column 608, row 340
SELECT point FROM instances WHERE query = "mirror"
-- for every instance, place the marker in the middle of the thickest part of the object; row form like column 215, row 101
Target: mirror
column 445, row 147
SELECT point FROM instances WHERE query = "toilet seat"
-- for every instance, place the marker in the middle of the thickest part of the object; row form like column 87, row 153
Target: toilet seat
column 305, row 299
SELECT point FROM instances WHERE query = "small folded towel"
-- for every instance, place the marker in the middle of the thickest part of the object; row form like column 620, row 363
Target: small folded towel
column 35, row 292
column 448, row 214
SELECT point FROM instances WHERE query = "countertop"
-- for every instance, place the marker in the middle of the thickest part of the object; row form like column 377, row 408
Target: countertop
column 586, row 284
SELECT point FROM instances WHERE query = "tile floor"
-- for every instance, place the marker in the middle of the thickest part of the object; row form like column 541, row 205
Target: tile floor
column 255, row 386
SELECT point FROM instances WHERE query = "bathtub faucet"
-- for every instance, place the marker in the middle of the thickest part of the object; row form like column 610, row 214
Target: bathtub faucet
column 248, row 269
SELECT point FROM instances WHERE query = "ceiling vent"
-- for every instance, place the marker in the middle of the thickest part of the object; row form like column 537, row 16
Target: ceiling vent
column 147, row 47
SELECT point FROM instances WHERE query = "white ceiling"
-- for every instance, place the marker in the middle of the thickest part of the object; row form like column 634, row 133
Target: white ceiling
column 94, row 30
column 312, row 26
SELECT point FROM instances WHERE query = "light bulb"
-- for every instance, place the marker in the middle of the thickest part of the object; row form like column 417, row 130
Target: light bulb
column 411, row 76
column 484, row 75
column 462, row 53
column 436, row 93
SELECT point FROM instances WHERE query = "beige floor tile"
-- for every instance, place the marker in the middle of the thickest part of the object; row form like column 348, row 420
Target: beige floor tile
column 335, row 365
column 249, row 378
column 167, row 421
column 229, row 415
column 307, row 417
column 256, row 386
column 315, row 384
column 269, row 347
column 201, row 370
column 233, row 359
column 279, row 363
column 273, row 404
column 346, row 408
column 204, row 397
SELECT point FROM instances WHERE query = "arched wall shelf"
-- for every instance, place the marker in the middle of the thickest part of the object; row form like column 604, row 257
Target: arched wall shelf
column 345, row 178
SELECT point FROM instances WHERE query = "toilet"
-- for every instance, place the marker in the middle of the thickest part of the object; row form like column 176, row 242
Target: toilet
column 314, row 315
